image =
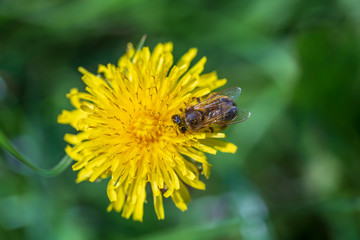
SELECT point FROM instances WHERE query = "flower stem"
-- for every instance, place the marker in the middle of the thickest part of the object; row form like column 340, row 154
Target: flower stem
column 56, row 170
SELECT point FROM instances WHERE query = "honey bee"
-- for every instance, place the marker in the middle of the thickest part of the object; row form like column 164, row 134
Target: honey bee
column 218, row 110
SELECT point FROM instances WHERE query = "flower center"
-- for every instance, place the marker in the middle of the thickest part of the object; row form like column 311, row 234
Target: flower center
column 146, row 129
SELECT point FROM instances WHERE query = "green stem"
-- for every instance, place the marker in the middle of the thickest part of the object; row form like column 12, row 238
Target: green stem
column 56, row 170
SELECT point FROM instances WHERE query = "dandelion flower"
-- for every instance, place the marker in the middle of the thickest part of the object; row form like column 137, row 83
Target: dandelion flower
column 126, row 132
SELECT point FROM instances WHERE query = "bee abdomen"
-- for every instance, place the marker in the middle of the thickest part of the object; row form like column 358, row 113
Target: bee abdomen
column 230, row 114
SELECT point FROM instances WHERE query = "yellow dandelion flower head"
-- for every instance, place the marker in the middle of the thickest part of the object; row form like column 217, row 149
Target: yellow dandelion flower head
column 126, row 132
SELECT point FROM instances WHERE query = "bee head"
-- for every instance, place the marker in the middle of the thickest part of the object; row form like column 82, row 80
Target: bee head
column 176, row 119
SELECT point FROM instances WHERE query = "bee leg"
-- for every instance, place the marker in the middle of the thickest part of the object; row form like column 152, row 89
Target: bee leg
column 171, row 126
column 223, row 127
column 198, row 99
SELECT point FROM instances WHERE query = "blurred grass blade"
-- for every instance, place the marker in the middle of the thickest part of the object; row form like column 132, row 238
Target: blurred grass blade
column 139, row 46
column 141, row 43
column 57, row 169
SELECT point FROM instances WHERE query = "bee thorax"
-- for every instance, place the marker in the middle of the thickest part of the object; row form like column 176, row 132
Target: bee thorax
column 194, row 119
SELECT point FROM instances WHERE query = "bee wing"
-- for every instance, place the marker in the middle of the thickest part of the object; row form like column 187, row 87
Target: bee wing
column 242, row 115
column 233, row 93
column 207, row 103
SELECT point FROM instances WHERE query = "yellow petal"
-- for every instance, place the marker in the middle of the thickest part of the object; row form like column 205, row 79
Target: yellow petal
column 159, row 207
column 220, row 145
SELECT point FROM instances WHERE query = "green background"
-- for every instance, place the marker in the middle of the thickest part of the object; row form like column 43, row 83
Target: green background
column 296, row 172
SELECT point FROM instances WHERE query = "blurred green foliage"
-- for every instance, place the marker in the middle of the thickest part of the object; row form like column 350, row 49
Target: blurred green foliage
column 295, row 175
